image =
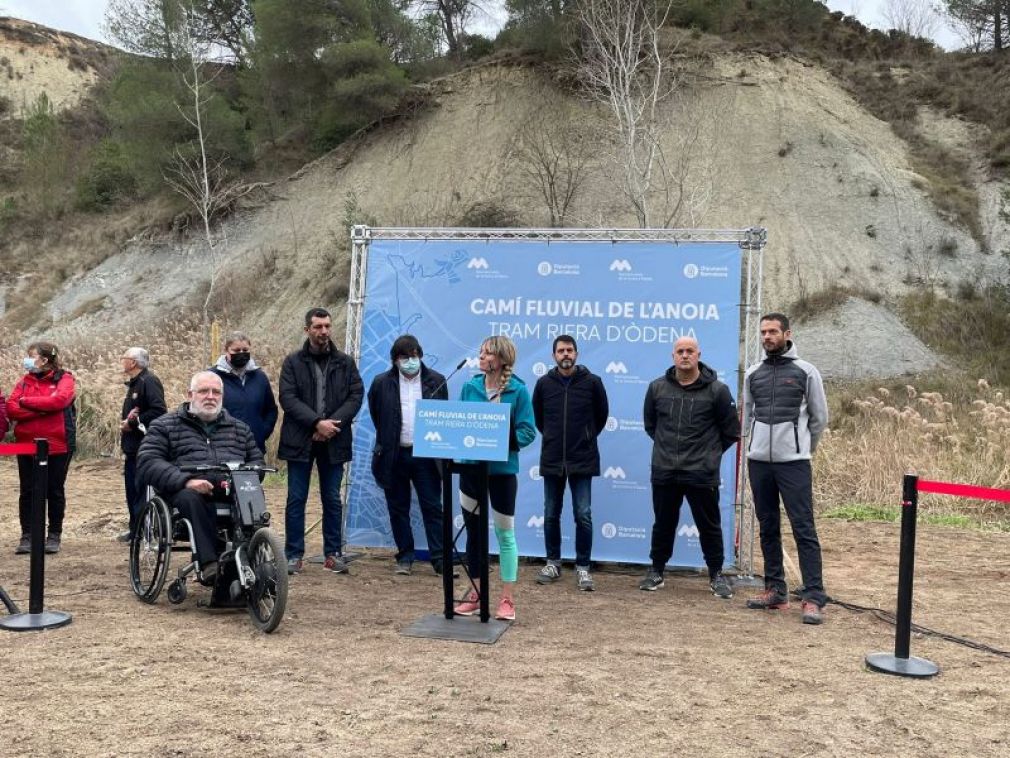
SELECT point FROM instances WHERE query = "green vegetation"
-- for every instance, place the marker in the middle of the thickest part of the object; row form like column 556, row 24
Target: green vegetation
column 860, row 512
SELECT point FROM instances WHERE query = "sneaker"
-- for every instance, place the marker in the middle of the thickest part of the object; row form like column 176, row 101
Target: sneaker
column 468, row 606
column 24, row 546
column 209, row 571
column 52, row 543
column 549, row 574
column 506, row 610
column 437, row 567
column 769, row 600
column 336, row 564
column 584, row 580
column 295, row 566
column 812, row 613
column 124, row 536
column 652, row 582
column 403, row 568
column 721, row 586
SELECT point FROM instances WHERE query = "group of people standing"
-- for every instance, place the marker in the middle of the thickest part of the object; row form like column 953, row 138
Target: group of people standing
column 230, row 412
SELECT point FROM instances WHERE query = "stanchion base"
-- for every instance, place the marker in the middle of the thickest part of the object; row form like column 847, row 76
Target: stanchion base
column 31, row 622
column 436, row 626
column 886, row 663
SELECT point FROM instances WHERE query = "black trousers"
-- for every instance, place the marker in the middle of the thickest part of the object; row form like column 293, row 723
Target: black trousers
column 501, row 494
column 704, row 501
column 793, row 483
column 134, row 490
column 202, row 514
column 56, row 496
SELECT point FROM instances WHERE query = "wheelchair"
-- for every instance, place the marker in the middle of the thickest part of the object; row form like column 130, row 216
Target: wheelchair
column 252, row 570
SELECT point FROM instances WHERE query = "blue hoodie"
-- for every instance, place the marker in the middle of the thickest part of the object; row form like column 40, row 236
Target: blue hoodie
column 523, row 429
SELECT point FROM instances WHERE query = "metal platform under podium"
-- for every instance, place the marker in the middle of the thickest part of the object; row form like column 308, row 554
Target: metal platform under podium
column 436, row 626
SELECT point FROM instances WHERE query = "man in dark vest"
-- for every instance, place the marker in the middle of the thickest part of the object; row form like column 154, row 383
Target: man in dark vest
column 392, row 400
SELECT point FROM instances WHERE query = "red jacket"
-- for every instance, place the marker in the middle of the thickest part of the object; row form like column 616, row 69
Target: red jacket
column 43, row 406
column 4, row 425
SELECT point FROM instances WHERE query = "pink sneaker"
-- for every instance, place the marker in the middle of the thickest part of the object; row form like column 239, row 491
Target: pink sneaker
column 469, row 606
column 506, row 610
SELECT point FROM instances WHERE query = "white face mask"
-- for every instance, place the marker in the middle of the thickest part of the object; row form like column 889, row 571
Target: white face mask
column 29, row 365
column 409, row 366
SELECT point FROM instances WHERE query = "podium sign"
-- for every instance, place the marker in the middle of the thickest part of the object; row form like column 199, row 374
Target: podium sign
column 461, row 430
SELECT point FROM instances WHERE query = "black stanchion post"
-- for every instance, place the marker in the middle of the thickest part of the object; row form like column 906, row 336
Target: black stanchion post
column 37, row 617
column 901, row 663
column 448, row 545
column 482, row 546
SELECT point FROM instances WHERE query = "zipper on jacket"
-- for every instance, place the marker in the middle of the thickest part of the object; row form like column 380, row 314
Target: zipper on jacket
column 771, row 413
column 796, row 435
column 564, row 431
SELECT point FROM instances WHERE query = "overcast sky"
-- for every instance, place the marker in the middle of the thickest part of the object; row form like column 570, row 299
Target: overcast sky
column 85, row 17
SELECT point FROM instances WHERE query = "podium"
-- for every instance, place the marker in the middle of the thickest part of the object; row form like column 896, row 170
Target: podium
column 466, row 436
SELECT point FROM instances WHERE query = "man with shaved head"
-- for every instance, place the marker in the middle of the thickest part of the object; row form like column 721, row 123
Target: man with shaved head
column 692, row 420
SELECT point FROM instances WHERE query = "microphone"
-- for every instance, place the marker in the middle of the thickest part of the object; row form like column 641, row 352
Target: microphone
column 446, row 380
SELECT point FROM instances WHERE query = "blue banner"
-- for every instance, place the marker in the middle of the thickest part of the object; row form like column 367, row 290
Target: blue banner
column 625, row 304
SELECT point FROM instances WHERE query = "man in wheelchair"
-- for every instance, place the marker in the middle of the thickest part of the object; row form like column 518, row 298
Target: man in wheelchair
column 200, row 432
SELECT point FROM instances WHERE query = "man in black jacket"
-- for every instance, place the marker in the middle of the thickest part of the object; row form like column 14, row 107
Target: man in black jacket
column 392, row 399
column 320, row 392
column 200, row 432
column 570, row 410
column 144, row 402
column 692, row 420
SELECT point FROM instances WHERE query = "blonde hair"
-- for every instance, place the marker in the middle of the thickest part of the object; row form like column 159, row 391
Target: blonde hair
column 504, row 350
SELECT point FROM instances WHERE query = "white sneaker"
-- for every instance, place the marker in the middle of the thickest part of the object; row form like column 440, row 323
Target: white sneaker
column 584, row 580
column 549, row 574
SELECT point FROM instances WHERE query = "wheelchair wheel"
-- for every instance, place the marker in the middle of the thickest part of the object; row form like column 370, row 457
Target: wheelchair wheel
column 150, row 550
column 268, row 597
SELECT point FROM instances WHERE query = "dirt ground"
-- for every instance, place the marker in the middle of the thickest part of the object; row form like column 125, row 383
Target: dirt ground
column 617, row 672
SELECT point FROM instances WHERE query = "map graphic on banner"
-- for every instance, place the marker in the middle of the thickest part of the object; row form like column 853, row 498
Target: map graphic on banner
column 625, row 304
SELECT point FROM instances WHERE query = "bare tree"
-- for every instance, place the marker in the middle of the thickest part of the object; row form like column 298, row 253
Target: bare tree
column 453, row 17
column 622, row 66
column 552, row 154
column 916, row 18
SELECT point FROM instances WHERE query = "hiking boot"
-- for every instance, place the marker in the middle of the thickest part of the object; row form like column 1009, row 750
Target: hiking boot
column 24, row 545
column 506, row 610
column 336, row 564
column 437, row 567
column 812, row 613
column 52, row 543
column 721, row 586
column 769, row 600
column 295, row 566
column 468, row 606
column 652, row 582
column 403, row 568
column 584, row 580
column 549, row 574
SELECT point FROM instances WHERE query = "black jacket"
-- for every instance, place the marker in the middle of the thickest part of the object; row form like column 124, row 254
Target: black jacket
column 178, row 439
column 570, row 416
column 691, row 427
column 384, row 408
column 145, row 393
column 343, row 394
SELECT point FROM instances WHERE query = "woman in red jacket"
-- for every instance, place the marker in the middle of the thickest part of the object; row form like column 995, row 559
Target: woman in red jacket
column 42, row 405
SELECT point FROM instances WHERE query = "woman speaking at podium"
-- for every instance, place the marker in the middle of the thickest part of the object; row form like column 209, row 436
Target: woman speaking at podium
column 497, row 384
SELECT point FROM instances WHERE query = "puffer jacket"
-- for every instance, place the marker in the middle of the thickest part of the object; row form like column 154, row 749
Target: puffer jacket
column 691, row 426
column 570, row 416
column 785, row 402
column 43, row 406
column 178, row 439
column 522, row 432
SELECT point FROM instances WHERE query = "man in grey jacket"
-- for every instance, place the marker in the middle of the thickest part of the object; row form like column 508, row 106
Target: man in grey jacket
column 692, row 420
column 785, row 403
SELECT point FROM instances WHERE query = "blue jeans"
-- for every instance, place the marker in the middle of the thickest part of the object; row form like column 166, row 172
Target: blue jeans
column 299, row 475
column 554, row 495
column 428, row 484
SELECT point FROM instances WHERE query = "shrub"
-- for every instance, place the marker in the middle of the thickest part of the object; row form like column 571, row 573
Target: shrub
column 107, row 180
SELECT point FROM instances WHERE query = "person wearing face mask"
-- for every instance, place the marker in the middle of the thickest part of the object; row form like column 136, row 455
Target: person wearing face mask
column 144, row 402
column 199, row 432
column 247, row 392
column 391, row 402
column 42, row 405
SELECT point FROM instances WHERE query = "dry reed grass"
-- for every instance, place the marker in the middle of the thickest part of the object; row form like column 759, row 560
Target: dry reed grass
column 962, row 437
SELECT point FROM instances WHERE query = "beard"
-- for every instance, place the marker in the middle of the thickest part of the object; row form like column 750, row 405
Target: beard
column 206, row 412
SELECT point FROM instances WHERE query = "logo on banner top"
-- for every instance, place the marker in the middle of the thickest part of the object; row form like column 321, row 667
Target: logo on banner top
column 535, row 473
column 608, row 530
column 616, row 367
column 625, row 273
column 539, row 368
column 614, row 472
column 537, row 522
column 546, row 268
column 433, row 437
column 469, row 441
column 482, row 269
column 688, row 530
column 691, row 270
column 611, row 424
column 477, row 263
column 620, row 264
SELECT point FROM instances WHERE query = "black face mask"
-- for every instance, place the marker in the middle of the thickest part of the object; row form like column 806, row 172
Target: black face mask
column 239, row 360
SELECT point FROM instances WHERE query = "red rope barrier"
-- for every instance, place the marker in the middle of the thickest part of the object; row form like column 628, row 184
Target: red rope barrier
column 963, row 490
column 17, row 448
